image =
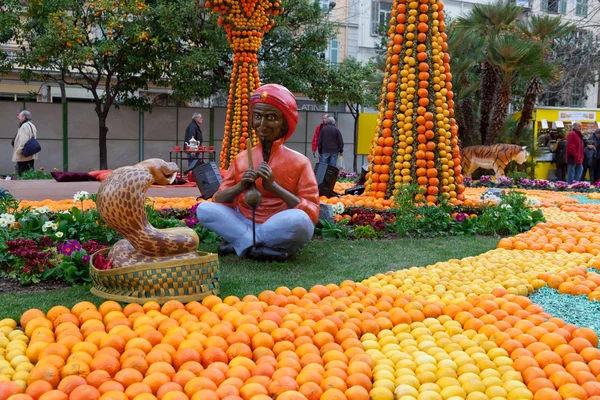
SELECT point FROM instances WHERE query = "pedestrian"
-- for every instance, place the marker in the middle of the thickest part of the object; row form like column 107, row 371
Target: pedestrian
column 193, row 131
column 596, row 140
column 331, row 143
column 26, row 131
column 315, row 141
column 560, row 158
column 574, row 154
column 589, row 161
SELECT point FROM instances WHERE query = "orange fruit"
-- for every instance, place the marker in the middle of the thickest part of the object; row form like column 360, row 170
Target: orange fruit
column 8, row 389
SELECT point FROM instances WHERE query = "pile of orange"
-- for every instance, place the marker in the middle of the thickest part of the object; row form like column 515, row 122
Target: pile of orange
column 158, row 203
column 575, row 281
column 555, row 236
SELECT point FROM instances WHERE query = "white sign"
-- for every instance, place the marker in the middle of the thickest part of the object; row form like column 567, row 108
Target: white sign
column 558, row 124
column 544, row 124
column 598, row 124
column 576, row 116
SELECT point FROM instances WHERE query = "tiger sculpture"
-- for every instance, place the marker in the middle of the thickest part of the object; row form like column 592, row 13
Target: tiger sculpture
column 494, row 157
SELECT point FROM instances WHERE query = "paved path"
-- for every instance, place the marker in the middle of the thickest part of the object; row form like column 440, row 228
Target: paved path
column 37, row 190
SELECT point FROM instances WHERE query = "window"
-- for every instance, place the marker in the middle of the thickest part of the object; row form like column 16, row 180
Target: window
column 555, row 6
column 333, row 51
column 578, row 96
column 380, row 14
column 325, row 6
column 581, row 8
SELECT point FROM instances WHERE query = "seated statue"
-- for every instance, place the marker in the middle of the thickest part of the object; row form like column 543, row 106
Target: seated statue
column 284, row 178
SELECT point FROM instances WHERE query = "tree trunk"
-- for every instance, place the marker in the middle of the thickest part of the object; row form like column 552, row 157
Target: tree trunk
column 467, row 131
column 489, row 84
column 531, row 93
column 102, row 141
column 500, row 112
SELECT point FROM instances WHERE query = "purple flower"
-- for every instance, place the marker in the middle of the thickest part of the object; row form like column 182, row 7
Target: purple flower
column 580, row 185
column 68, row 247
column 503, row 180
column 191, row 222
column 561, row 185
column 460, row 217
column 485, row 179
column 468, row 181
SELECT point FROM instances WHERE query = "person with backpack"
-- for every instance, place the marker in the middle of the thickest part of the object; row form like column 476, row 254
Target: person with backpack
column 26, row 132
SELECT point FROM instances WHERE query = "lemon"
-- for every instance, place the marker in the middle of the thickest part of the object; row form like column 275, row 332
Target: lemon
column 7, row 322
column 7, row 371
column 382, row 374
column 21, row 383
column 21, row 375
column 5, row 378
column 16, row 361
column 385, row 384
column 406, row 390
column 520, row 394
column 4, row 341
column 24, row 366
column 453, row 391
column 429, row 395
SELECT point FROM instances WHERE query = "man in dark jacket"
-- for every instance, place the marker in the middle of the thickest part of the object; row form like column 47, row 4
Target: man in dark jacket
column 331, row 143
column 574, row 154
column 193, row 131
column 560, row 157
column 589, row 161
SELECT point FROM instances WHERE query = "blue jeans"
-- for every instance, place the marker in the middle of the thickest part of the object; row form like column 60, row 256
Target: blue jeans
column 290, row 229
column 330, row 158
column 574, row 172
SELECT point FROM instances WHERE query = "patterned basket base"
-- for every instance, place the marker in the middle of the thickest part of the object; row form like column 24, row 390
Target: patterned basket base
column 184, row 280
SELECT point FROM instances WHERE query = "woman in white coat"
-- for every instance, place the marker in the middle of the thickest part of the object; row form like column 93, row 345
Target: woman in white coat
column 26, row 131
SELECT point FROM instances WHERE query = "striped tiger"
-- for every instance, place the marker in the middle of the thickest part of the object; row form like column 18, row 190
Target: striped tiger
column 494, row 157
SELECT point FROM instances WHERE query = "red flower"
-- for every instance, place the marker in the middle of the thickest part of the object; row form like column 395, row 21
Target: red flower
column 102, row 263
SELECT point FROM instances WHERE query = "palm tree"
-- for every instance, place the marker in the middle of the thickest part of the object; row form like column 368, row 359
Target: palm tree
column 487, row 21
column 546, row 29
column 467, row 53
column 514, row 58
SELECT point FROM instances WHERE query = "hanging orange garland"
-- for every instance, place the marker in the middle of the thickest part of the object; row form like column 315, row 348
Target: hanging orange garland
column 246, row 21
column 416, row 136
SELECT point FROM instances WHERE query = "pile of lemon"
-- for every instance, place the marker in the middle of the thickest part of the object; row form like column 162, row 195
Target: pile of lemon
column 437, row 359
column 14, row 364
column 453, row 280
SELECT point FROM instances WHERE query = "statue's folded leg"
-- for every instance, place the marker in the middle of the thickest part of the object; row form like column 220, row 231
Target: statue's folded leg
column 228, row 223
column 290, row 230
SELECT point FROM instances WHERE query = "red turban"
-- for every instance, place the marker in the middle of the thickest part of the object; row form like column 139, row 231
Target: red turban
column 280, row 97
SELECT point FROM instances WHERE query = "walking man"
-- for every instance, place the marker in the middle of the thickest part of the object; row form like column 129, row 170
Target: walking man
column 193, row 131
column 26, row 131
column 331, row 143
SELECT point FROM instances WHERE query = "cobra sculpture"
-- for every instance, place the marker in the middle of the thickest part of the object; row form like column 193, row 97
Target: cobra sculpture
column 121, row 203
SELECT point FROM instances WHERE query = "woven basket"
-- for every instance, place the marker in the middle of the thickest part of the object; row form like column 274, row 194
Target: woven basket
column 184, row 280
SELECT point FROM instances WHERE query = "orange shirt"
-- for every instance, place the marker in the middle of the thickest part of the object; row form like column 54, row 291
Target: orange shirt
column 291, row 170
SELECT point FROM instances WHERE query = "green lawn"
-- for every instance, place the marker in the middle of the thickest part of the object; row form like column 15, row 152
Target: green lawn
column 321, row 262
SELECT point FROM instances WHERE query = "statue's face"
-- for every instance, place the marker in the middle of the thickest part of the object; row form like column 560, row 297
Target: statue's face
column 268, row 121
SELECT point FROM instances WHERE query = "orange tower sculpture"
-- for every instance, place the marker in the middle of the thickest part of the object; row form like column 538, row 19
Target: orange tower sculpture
column 246, row 21
column 416, row 136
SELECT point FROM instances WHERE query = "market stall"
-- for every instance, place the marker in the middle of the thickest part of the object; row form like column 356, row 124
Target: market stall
column 549, row 122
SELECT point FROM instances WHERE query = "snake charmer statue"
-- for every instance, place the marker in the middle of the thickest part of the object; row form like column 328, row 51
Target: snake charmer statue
column 284, row 179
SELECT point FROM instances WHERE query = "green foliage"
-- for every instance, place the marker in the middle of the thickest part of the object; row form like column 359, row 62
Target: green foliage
column 206, row 236
column 84, row 226
column 71, row 269
column 157, row 221
column 292, row 51
column 9, row 23
column 35, row 174
column 350, row 82
column 332, row 230
column 364, row 232
column 510, row 217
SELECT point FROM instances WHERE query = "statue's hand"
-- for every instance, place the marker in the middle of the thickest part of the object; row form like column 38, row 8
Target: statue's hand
column 265, row 172
column 248, row 178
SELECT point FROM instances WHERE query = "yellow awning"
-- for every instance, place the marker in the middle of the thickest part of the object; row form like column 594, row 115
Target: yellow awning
column 20, row 88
